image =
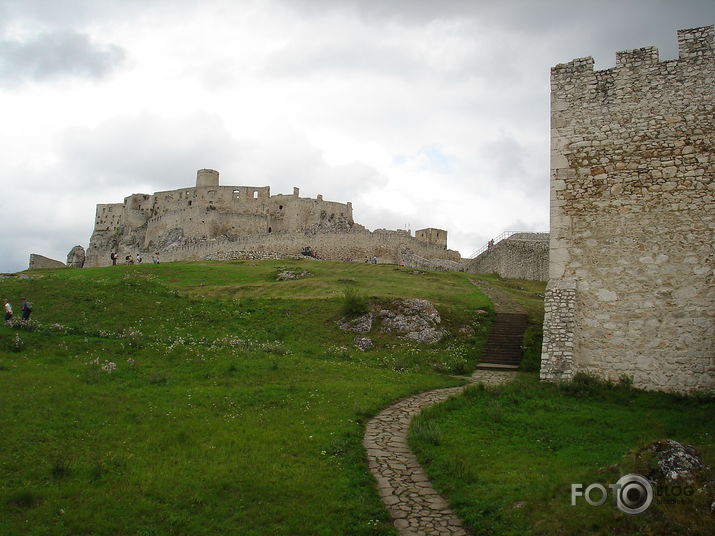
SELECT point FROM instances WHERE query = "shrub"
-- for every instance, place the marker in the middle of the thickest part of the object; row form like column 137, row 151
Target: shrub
column 354, row 303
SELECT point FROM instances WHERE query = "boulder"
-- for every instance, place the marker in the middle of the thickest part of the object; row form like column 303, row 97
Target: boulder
column 363, row 343
column 359, row 324
column 673, row 461
column 75, row 258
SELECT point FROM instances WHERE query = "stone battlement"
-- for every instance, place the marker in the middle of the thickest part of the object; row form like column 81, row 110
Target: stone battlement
column 579, row 79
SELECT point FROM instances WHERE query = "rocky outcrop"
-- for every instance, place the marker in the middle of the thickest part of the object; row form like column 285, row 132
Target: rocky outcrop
column 671, row 461
column 413, row 319
column 358, row 324
column 75, row 258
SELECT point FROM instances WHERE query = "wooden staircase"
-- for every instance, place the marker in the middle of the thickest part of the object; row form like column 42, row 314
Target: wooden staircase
column 503, row 349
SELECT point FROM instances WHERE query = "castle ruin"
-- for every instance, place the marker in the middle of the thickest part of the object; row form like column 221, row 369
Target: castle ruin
column 631, row 289
column 210, row 221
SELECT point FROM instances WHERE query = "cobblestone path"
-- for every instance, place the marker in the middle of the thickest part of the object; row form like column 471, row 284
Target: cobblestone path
column 415, row 507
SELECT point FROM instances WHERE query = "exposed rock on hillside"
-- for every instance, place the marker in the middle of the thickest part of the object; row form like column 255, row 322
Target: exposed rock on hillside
column 288, row 275
column 674, row 462
column 412, row 319
column 359, row 324
column 363, row 343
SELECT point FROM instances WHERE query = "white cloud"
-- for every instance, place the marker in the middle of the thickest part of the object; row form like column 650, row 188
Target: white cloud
column 419, row 112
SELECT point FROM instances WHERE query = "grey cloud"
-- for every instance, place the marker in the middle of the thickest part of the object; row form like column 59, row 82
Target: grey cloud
column 327, row 56
column 576, row 28
column 56, row 54
column 292, row 160
column 71, row 13
column 144, row 150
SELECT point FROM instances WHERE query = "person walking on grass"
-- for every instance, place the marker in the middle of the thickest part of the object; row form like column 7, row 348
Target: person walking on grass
column 26, row 308
column 8, row 311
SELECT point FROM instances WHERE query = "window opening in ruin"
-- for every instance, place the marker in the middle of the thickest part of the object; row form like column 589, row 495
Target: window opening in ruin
column 255, row 195
column 269, row 229
column 189, row 203
column 237, row 194
column 280, row 207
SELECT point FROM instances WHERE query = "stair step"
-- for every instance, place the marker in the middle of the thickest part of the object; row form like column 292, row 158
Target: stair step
column 503, row 349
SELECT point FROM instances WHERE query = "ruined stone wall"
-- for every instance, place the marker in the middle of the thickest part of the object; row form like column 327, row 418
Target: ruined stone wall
column 409, row 258
column 513, row 257
column 632, row 218
column 433, row 236
column 212, row 221
column 355, row 245
column 178, row 217
column 39, row 262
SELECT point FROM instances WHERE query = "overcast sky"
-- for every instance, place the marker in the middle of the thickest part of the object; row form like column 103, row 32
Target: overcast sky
column 422, row 113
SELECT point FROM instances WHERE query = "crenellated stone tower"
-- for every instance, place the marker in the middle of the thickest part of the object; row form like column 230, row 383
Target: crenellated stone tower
column 631, row 289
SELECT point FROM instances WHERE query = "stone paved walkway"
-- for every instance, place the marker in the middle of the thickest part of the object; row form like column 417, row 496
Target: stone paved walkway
column 416, row 508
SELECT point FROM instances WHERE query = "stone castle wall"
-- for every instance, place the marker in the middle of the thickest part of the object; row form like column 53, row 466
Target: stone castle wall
column 39, row 262
column 387, row 246
column 631, row 288
column 521, row 256
column 213, row 221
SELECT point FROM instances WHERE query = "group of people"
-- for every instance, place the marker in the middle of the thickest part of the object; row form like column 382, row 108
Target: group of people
column 25, row 305
column 371, row 260
column 133, row 260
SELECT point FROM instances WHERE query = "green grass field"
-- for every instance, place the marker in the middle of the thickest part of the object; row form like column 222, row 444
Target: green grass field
column 507, row 457
column 208, row 398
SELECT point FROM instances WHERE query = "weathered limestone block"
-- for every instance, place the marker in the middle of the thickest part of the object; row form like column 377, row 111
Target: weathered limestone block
column 75, row 258
column 38, row 262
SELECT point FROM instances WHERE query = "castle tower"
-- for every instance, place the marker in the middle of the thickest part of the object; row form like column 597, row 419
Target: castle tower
column 632, row 178
column 206, row 177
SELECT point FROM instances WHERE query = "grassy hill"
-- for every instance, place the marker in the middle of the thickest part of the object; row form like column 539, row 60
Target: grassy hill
column 208, row 398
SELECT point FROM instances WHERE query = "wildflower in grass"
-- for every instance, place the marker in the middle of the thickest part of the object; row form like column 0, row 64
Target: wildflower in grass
column 109, row 366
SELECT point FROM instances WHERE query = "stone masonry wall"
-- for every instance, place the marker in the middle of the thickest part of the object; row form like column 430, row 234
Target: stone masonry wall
column 38, row 262
column 632, row 218
column 354, row 244
column 515, row 258
column 559, row 312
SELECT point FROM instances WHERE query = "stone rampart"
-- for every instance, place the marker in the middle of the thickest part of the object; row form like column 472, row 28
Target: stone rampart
column 356, row 245
column 411, row 259
column 213, row 221
column 632, row 290
column 39, row 262
column 521, row 256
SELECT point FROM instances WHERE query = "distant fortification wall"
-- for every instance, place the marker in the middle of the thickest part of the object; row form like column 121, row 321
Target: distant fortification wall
column 387, row 246
column 38, row 262
column 521, row 256
column 213, row 221
column 631, row 289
